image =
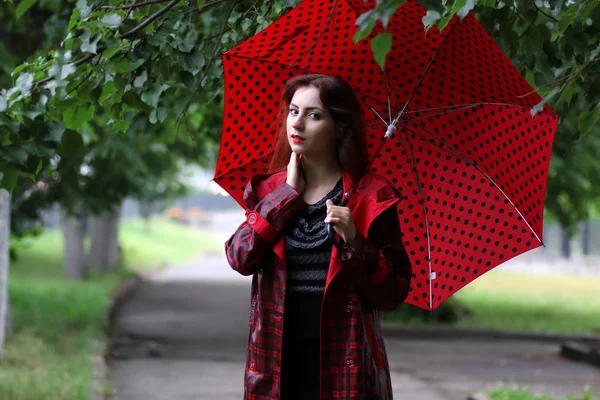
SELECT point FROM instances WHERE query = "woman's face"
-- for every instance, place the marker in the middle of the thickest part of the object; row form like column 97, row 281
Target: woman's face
column 310, row 127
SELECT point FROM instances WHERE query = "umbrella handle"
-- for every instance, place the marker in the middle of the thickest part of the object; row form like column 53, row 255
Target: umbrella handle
column 331, row 231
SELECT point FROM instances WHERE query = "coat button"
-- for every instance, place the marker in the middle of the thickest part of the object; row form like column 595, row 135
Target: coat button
column 252, row 217
column 350, row 307
column 349, row 362
column 252, row 365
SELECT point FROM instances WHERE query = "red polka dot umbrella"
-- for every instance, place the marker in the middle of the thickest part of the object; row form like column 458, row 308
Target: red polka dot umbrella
column 463, row 148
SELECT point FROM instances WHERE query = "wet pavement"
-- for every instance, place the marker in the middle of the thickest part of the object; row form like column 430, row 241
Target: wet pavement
column 183, row 333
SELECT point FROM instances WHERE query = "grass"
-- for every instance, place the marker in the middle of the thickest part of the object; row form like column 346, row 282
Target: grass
column 507, row 300
column 524, row 394
column 59, row 323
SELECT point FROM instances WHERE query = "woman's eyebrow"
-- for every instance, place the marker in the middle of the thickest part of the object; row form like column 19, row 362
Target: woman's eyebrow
column 308, row 108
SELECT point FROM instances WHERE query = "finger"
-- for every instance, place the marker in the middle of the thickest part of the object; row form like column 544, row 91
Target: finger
column 332, row 220
column 328, row 203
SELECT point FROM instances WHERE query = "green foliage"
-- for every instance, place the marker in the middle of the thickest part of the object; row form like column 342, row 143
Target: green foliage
column 524, row 394
column 108, row 70
column 522, row 302
column 123, row 100
column 58, row 322
column 556, row 46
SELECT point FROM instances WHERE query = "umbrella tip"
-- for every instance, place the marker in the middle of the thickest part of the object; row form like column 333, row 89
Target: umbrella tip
column 391, row 129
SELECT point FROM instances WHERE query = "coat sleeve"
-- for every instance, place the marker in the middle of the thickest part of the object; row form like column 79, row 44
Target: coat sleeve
column 379, row 266
column 264, row 223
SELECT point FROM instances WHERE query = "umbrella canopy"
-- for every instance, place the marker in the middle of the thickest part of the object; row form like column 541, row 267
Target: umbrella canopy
column 465, row 152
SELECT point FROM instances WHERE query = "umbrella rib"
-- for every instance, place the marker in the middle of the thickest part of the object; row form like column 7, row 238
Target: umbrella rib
column 376, row 113
column 457, row 107
column 309, row 51
column 241, row 166
column 426, row 70
column 425, row 211
column 478, row 168
column 443, row 147
column 387, row 92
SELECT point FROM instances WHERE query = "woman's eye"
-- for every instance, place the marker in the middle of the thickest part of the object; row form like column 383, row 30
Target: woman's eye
column 315, row 116
column 293, row 112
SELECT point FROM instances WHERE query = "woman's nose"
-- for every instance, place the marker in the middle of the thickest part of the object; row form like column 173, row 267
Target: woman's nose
column 298, row 123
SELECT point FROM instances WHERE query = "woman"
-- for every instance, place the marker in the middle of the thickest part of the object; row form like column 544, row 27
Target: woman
column 314, row 330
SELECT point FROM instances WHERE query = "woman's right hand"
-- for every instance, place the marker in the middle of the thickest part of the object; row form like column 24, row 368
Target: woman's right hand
column 295, row 174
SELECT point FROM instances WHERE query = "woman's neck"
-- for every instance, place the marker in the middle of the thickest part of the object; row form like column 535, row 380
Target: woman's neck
column 321, row 172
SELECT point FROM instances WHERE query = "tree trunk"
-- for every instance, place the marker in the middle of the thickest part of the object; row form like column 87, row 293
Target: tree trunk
column 565, row 243
column 75, row 266
column 105, row 253
column 585, row 238
column 4, row 260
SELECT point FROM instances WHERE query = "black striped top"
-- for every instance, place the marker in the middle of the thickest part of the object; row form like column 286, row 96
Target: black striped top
column 307, row 259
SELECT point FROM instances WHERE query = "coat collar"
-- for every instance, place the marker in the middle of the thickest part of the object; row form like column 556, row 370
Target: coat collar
column 371, row 187
column 372, row 196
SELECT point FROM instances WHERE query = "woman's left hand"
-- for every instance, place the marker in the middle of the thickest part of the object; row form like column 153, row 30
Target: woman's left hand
column 341, row 218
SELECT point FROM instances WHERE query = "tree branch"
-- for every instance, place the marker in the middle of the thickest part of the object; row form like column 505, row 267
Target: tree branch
column 134, row 5
column 223, row 28
column 205, row 7
column 542, row 11
column 126, row 35
column 150, row 19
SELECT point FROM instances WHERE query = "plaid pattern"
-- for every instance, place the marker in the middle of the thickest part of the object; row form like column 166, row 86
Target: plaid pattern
column 375, row 277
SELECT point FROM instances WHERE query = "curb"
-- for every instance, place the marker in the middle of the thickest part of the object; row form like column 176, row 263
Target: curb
column 401, row 331
column 123, row 292
column 100, row 371
column 580, row 352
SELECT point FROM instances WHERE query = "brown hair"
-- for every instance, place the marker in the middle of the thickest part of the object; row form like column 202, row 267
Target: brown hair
column 340, row 100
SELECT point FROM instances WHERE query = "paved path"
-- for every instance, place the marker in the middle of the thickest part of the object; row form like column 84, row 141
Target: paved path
column 183, row 333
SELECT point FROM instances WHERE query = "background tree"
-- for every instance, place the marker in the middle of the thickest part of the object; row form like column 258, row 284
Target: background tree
column 90, row 85
column 4, row 233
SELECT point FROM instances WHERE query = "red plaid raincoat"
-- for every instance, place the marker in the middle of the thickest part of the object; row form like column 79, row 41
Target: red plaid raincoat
column 376, row 277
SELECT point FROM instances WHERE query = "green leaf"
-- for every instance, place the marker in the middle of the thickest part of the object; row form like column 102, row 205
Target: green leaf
column 25, row 82
column 540, row 106
column 444, row 21
column 140, row 79
column 75, row 117
column 111, row 21
column 107, row 90
column 247, row 24
column 131, row 102
column 23, row 7
column 381, row 46
column 19, row 69
column 121, row 126
column 113, row 46
column 17, row 154
column 71, row 143
column 364, row 31
column 153, row 117
column 588, row 120
column 85, row 9
column 465, row 7
column 88, row 46
column 567, row 93
column 3, row 103
column 430, row 18
column 152, row 95
column 39, row 167
column 56, row 132
column 9, row 179
column 74, row 18
column 162, row 114
column 135, row 65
